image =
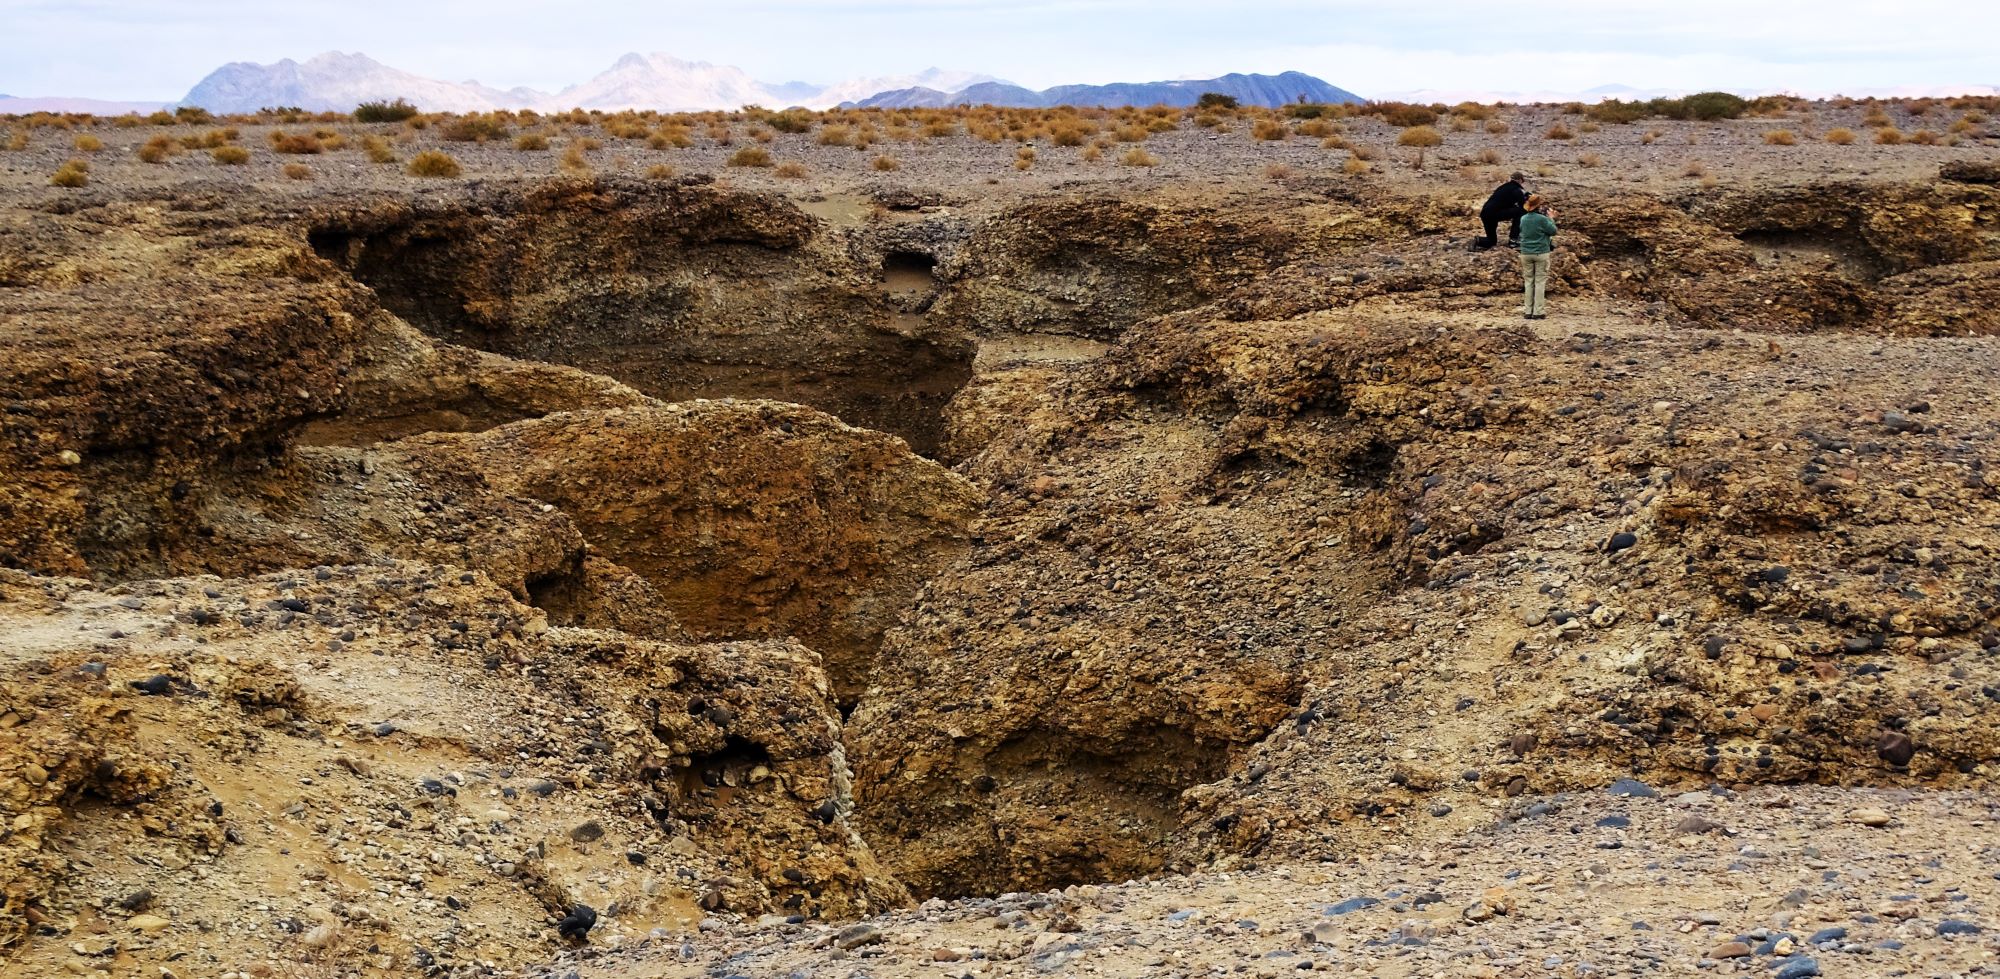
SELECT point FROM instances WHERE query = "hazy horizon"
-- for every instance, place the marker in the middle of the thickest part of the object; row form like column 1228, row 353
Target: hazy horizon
column 154, row 50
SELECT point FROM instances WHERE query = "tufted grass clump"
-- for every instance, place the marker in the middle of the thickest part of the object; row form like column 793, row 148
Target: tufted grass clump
column 750, row 156
column 298, row 171
column 74, row 173
column 1840, row 137
column 86, row 143
column 1420, row 136
column 1138, row 157
column 1355, row 166
column 434, row 163
column 378, row 150
column 886, row 163
column 230, row 156
column 1888, row 136
column 1780, row 137
column 159, row 149
column 791, row 170
column 1558, row 131
column 474, row 129
column 297, row 144
column 383, row 111
column 531, row 142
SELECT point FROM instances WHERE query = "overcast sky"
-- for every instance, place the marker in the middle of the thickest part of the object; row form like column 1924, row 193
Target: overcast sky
column 157, row 49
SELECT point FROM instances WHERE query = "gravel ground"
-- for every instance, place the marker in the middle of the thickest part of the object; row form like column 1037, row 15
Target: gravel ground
column 1729, row 153
column 1792, row 882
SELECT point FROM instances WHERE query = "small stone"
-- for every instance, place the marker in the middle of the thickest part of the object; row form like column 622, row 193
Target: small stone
column 147, row 923
column 1730, row 950
column 587, row 832
column 155, row 685
column 384, row 729
column 1953, row 926
column 1796, row 968
column 1351, row 905
column 1870, row 816
column 1696, row 825
column 855, row 936
column 1631, row 788
column 1620, row 541
column 1825, row 935
column 1895, row 747
column 1522, row 743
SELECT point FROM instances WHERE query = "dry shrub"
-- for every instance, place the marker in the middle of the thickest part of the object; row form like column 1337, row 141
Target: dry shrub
column 377, row 149
column 474, row 129
column 886, row 163
column 158, row 149
column 230, row 156
column 1270, row 131
column 1316, row 128
column 1138, row 157
column 1888, row 136
column 1780, row 137
column 1363, row 152
column 1694, row 168
column 87, row 143
column 1277, row 171
column 298, row 171
column 1588, row 128
column 1544, row 170
column 74, row 173
column 750, row 156
column 762, row 135
column 1132, row 133
column 1924, row 137
column 17, row 140
column 791, row 170
column 1092, row 153
column 674, row 137
column 1591, row 160
column 1558, row 131
column 1333, row 143
column 1461, row 125
column 1420, row 136
column 434, row 163
column 1710, row 183
column 531, row 142
column 1652, row 136
column 1840, row 137
column 660, row 171
column 573, row 160
column 1496, row 126
column 1068, row 135
column 1354, row 166
column 834, row 136
column 300, row 144
column 1490, row 155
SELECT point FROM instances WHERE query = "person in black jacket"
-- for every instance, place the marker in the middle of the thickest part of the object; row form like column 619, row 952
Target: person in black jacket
column 1505, row 205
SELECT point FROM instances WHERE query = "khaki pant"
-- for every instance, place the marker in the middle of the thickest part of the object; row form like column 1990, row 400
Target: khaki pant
column 1535, row 279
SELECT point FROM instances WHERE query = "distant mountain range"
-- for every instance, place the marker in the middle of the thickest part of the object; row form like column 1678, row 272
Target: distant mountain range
column 11, row 105
column 1266, row 90
column 338, row 82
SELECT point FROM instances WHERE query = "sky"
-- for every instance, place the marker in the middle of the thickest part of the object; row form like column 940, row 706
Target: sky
column 158, row 49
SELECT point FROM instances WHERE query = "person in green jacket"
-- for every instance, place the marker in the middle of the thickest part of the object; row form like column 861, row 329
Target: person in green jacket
column 1538, row 232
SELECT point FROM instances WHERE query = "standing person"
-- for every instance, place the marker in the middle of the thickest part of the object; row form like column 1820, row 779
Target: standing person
column 1506, row 204
column 1538, row 232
